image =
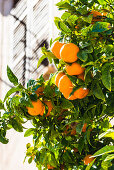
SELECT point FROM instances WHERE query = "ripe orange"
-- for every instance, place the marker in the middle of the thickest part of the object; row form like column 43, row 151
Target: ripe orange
column 58, row 76
column 72, row 97
column 73, row 132
column 56, row 48
column 39, row 91
column 68, row 52
column 50, row 107
column 74, row 69
column 77, row 26
column 50, row 167
column 65, row 149
column 65, row 86
column 38, row 108
column 84, row 127
column 81, row 93
column 96, row 15
column 87, row 160
column 81, row 76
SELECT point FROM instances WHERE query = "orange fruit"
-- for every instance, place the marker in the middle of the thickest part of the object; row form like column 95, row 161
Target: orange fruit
column 56, row 46
column 81, row 93
column 68, row 52
column 65, row 149
column 73, row 132
column 74, row 69
column 65, row 86
column 87, row 160
column 38, row 108
column 72, row 97
column 84, row 127
column 81, row 76
column 77, row 26
column 58, row 76
column 50, row 107
column 50, row 167
column 96, row 15
column 39, row 91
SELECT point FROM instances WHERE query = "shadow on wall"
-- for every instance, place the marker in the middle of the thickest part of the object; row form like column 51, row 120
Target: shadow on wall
column 6, row 6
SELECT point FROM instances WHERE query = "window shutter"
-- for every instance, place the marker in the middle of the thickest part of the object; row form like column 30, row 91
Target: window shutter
column 31, row 32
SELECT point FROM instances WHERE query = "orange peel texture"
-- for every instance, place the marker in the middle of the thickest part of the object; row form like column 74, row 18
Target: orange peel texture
column 56, row 46
column 38, row 108
column 74, row 69
column 69, row 52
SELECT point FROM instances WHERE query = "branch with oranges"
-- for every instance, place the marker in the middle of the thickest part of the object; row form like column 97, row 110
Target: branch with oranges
column 70, row 113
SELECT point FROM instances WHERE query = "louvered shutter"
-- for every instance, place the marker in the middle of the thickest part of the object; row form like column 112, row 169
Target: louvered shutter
column 31, row 31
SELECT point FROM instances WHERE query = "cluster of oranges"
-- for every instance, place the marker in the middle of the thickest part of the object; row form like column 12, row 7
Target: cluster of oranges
column 68, row 53
column 39, row 106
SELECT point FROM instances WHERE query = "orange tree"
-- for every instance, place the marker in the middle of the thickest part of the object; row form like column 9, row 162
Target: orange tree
column 71, row 112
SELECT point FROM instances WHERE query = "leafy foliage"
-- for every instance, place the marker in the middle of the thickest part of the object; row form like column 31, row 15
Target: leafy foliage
column 74, row 128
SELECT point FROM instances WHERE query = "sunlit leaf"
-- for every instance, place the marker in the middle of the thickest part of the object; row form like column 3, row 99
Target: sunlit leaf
column 3, row 139
column 29, row 132
column 12, row 78
column 13, row 90
column 104, row 150
column 106, row 76
column 1, row 104
column 97, row 91
column 66, row 104
column 108, row 133
column 109, row 157
column 102, row 2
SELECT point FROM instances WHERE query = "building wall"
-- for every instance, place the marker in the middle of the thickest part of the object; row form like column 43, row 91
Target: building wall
column 23, row 31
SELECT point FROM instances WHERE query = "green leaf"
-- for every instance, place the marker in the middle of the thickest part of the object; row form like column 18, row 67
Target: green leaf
column 81, row 145
column 29, row 132
column 51, row 41
column 79, row 127
column 66, row 104
column 97, row 91
column 30, row 160
column 65, row 15
column 102, row 2
column 106, row 76
column 40, row 60
column 72, row 19
column 88, row 19
column 65, row 5
column 12, row 78
column 3, row 139
column 1, row 104
column 17, row 125
column 88, row 64
column 109, row 157
column 100, row 27
column 61, row 25
column 13, row 90
column 108, row 133
column 87, row 70
column 104, row 150
column 83, row 56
